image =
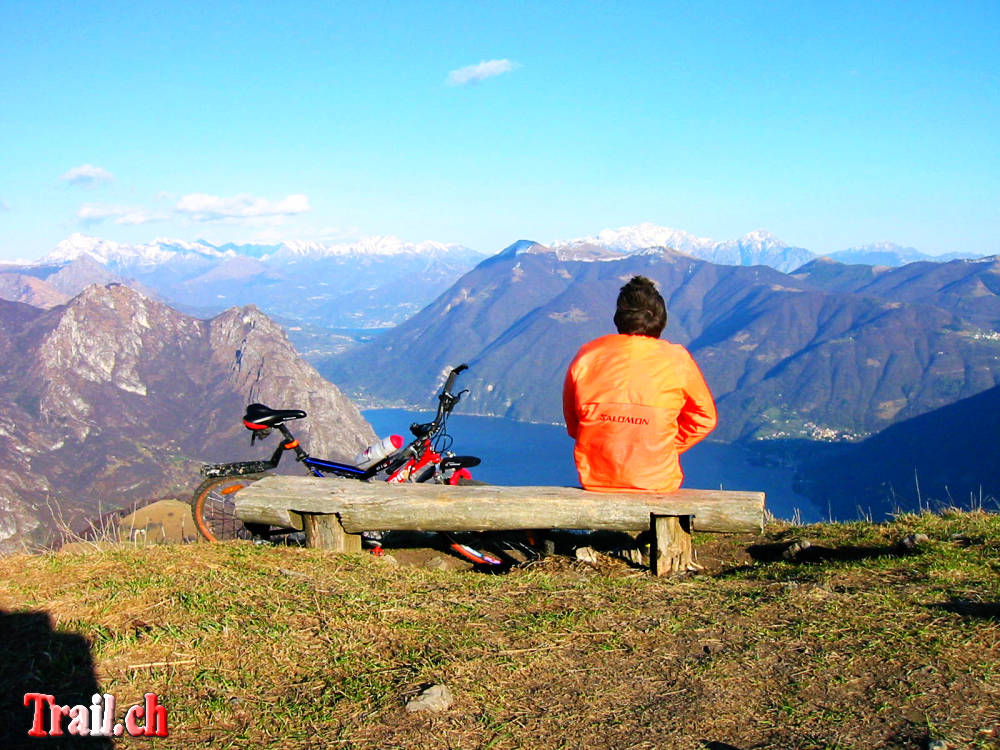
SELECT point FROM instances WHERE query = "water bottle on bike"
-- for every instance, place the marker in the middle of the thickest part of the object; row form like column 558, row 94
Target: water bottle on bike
column 377, row 451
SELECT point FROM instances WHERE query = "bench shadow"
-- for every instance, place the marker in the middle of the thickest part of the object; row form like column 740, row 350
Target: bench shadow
column 38, row 659
column 969, row 608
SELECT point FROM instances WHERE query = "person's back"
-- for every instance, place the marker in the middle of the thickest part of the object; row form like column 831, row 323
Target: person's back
column 633, row 403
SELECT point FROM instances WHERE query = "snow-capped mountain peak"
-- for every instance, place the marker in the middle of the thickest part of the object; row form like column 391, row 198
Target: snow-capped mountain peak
column 757, row 247
column 640, row 237
column 105, row 252
column 198, row 246
column 78, row 245
column 378, row 245
column 760, row 238
column 162, row 250
column 109, row 252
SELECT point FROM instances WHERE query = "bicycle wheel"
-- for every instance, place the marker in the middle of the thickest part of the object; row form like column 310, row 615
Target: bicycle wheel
column 215, row 510
column 472, row 554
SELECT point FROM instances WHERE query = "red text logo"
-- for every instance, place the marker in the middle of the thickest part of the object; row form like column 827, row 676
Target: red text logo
column 147, row 719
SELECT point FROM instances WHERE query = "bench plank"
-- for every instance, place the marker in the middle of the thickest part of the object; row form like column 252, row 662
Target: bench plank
column 363, row 506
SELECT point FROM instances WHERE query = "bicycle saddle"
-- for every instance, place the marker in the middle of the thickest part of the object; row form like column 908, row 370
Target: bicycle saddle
column 259, row 417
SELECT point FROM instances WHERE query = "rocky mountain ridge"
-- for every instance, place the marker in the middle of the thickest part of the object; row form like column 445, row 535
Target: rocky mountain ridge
column 115, row 397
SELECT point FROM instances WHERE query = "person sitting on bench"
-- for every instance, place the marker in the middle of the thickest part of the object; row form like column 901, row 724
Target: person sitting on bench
column 633, row 402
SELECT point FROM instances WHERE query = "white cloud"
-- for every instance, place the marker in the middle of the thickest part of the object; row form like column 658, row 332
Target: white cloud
column 476, row 73
column 95, row 213
column 202, row 207
column 140, row 216
column 87, row 175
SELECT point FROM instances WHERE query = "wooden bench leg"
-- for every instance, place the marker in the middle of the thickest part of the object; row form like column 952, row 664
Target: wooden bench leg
column 323, row 531
column 670, row 551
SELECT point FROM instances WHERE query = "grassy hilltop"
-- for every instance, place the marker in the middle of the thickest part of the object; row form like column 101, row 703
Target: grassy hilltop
column 856, row 642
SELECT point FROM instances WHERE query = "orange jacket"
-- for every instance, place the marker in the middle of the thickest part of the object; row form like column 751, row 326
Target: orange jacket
column 634, row 404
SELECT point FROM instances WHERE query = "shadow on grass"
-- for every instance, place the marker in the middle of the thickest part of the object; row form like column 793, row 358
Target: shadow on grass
column 818, row 553
column 513, row 547
column 969, row 608
column 38, row 659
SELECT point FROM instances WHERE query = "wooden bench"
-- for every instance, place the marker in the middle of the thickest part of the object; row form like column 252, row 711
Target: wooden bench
column 333, row 512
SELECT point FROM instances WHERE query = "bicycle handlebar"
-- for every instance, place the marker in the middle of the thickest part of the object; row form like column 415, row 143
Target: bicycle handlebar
column 452, row 376
column 446, row 402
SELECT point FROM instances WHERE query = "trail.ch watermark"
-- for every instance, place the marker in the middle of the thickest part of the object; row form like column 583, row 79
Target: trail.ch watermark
column 146, row 719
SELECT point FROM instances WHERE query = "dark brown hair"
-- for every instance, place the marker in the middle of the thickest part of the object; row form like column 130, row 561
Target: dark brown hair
column 641, row 310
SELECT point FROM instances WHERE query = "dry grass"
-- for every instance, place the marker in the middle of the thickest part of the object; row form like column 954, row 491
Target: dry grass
column 854, row 646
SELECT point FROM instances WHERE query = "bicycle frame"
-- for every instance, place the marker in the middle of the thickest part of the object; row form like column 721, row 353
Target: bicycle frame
column 315, row 465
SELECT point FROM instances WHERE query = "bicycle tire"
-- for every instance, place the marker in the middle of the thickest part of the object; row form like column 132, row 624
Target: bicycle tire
column 473, row 555
column 214, row 510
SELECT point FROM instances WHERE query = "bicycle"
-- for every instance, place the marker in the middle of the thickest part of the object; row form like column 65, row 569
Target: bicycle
column 427, row 458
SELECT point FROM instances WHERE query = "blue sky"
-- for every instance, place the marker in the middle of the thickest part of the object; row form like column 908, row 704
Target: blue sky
column 827, row 124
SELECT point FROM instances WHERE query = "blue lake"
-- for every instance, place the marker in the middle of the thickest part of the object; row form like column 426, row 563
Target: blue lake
column 540, row 454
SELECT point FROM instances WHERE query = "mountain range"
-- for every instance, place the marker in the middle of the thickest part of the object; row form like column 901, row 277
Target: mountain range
column 114, row 397
column 370, row 284
column 787, row 356
column 754, row 249
column 377, row 282
column 891, row 254
column 758, row 248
